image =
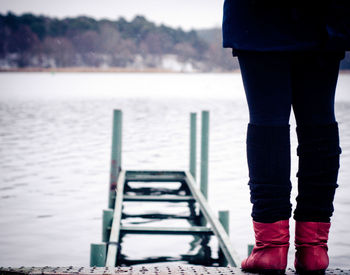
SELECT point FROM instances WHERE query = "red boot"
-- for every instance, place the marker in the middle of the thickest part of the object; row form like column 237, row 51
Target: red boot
column 269, row 254
column 311, row 247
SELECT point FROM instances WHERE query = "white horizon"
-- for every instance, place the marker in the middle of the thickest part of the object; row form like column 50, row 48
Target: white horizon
column 184, row 14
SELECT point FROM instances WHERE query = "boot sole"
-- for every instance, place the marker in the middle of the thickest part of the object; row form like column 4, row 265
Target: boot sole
column 310, row 272
column 266, row 271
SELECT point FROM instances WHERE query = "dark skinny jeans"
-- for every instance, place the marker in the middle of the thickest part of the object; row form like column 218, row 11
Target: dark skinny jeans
column 276, row 82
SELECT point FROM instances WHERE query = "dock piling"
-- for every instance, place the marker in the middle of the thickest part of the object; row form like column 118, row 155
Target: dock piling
column 107, row 219
column 204, row 154
column 193, row 144
column 224, row 218
column 116, row 155
column 250, row 248
column 98, row 252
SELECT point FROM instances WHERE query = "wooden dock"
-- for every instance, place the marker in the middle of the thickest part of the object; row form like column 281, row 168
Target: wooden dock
column 143, row 270
column 202, row 222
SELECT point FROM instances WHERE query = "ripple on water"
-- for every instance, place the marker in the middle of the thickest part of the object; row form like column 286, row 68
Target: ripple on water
column 44, row 216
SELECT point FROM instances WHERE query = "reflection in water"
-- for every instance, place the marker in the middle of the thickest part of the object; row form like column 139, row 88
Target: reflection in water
column 163, row 214
column 179, row 248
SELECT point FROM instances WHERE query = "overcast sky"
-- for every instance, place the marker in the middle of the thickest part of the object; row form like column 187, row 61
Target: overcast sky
column 176, row 13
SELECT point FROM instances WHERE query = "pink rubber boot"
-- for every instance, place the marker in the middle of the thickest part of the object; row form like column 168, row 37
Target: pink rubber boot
column 269, row 254
column 311, row 247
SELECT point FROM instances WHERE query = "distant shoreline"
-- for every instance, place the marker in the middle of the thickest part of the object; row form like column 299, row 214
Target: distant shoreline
column 110, row 70
column 85, row 70
column 99, row 70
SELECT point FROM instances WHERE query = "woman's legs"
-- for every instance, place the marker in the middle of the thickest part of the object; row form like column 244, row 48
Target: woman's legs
column 273, row 82
column 314, row 81
column 266, row 78
column 267, row 83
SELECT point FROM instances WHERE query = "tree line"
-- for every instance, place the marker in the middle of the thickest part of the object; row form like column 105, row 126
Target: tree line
column 28, row 40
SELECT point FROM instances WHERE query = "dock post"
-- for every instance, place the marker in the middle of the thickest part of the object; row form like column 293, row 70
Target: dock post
column 193, row 144
column 116, row 157
column 224, row 218
column 98, row 254
column 204, row 154
column 106, row 224
column 250, row 248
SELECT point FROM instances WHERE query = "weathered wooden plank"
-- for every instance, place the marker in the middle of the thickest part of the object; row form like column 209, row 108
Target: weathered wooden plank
column 155, row 172
column 113, row 244
column 150, row 178
column 154, row 175
column 159, row 198
column 153, row 191
column 194, row 230
column 224, row 241
column 158, row 216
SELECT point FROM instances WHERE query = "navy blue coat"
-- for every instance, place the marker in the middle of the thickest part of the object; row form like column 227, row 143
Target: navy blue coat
column 286, row 25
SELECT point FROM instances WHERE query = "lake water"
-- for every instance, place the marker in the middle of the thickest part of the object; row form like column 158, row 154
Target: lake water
column 55, row 139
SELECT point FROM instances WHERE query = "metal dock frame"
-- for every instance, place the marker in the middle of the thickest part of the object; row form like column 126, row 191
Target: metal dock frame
column 107, row 252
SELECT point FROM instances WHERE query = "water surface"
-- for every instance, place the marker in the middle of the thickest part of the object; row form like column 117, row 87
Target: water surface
column 55, row 138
